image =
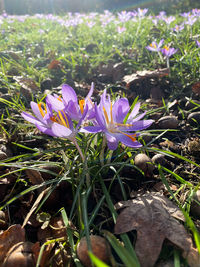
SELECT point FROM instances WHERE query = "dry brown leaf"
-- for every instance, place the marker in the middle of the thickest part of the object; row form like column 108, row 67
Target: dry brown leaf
column 140, row 75
column 152, row 216
column 46, row 255
column 54, row 64
column 34, row 176
column 13, row 235
column 26, row 83
column 196, row 88
column 51, row 256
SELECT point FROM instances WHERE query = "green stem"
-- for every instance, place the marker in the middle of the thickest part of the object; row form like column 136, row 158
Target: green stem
column 84, row 162
column 168, row 66
column 101, row 156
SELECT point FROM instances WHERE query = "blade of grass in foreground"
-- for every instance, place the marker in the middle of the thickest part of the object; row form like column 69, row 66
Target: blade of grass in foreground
column 121, row 251
column 175, row 155
column 189, row 221
column 70, row 237
column 97, row 261
column 127, row 243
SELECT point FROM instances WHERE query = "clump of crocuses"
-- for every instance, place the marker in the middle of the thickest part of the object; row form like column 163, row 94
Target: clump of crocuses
column 65, row 116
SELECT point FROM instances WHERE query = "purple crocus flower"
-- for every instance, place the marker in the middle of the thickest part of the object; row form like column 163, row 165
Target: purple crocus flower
column 65, row 128
column 44, row 117
column 168, row 52
column 121, row 29
column 70, row 104
column 142, row 12
column 154, row 46
column 53, row 123
column 185, row 14
column 198, row 43
column 191, row 20
column 124, row 16
column 110, row 120
column 162, row 14
column 90, row 24
column 178, row 28
column 196, row 12
column 169, row 19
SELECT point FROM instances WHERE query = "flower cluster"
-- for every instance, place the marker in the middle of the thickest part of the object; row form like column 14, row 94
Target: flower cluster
column 154, row 46
column 166, row 50
column 59, row 114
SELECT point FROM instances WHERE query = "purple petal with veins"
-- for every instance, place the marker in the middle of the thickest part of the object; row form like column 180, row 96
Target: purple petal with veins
column 60, row 130
column 112, row 141
column 55, row 103
column 36, row 110
column 120, row 109
column 68, row 94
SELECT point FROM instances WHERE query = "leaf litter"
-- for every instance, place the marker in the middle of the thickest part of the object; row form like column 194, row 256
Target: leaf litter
column 154, row 217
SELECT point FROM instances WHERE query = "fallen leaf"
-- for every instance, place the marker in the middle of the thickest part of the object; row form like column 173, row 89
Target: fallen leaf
column 20, row 255
column 13, row 235
column 196, row 88
column 34, row 176
column 152, row 216
column 46, row 255
column 55, row 64
column 26, row 83
column 140, row 75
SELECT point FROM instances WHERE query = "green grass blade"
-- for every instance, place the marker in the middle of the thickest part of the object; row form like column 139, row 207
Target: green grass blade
column 97, row 262
column 126, row 257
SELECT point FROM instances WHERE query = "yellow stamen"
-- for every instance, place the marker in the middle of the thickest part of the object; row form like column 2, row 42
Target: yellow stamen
column 62, row 119
column 106, row 115
column 59, row 98
column 166, row 47
column 153, row 45
column 58, row 120
column 81, row 104
column 41, row 110
column 66, row 119
column 111, row 115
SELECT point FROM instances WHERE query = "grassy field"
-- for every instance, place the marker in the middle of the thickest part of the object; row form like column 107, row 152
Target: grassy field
column 68, row 177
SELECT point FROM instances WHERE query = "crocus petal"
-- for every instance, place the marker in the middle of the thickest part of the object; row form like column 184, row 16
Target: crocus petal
column 139, row 117
column 68, row 94
column 90, row 92
column 29, row 118
column 128, row 141
column 55, row 103
column 60, row 130
column 137, row 126
column 82, row 117
column 151, row 48
column 99, row 117
column 161, row 43
column 73, row 110
column 111, row 141
column 36, row 110
column 105, row 103
column 120, row 109
column 134, row 112
column 44, row 129
column 91, row 129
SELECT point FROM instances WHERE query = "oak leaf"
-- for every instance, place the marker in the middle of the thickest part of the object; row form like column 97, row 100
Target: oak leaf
column 13, row 235
column 153, row 217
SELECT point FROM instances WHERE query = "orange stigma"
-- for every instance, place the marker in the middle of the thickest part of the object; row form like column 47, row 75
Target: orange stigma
column 81, row 104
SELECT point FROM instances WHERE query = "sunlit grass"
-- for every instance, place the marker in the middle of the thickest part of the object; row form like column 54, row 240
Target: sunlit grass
column 38, row 41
